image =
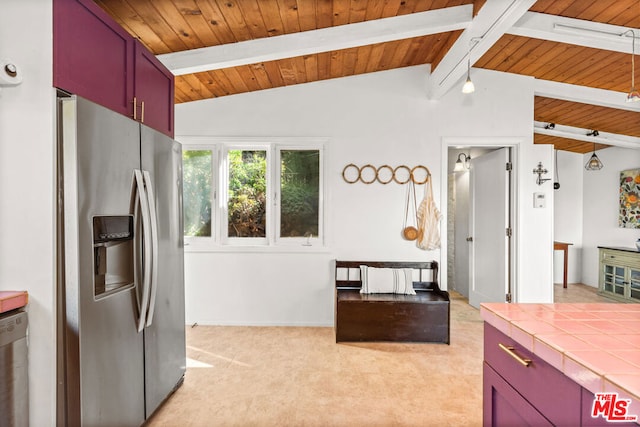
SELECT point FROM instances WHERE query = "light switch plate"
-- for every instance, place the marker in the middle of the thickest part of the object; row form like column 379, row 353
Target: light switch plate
column 539, row 200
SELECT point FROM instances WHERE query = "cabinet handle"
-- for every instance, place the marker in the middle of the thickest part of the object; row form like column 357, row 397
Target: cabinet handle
column 510, row 352
column 135, row 107
column 142, row 112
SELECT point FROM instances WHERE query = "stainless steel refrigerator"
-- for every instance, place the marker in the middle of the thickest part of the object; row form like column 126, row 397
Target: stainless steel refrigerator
column 120, row 286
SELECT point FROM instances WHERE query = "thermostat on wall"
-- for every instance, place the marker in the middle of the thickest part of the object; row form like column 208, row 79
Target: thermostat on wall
column 539, row 200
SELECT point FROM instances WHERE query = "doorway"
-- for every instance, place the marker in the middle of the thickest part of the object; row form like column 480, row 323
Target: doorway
column 480, row 212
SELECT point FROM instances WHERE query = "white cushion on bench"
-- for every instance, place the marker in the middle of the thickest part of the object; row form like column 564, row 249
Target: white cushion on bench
column 386, row 280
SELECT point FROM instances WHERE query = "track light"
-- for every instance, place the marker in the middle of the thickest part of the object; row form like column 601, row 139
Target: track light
column 593, row 133
column 550, row 126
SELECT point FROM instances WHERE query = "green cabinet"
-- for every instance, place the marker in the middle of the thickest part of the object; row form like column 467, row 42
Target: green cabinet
column 620, row 273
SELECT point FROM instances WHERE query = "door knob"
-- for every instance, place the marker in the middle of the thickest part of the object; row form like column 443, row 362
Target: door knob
column 469, row 239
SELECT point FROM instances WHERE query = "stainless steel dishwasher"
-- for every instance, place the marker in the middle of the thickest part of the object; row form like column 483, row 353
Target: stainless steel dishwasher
column 14, row 378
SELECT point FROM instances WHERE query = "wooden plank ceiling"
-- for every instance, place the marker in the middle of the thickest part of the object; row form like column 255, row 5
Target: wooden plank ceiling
column 167, row 26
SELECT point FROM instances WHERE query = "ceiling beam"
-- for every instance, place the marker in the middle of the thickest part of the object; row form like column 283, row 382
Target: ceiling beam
column 317, row 41
column 580, row 134
column 574, row 31
column 494, row 19
column 584, row 95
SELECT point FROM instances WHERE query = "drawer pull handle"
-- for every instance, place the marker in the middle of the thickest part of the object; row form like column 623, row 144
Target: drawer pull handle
column 510, row 352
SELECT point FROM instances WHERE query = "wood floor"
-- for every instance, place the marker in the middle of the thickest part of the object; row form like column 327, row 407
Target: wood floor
column 299, row 376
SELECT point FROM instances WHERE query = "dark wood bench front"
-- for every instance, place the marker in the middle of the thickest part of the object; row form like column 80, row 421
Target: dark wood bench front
column 423, row 317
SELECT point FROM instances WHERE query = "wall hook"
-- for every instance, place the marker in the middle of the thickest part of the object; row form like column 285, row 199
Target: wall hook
column 540, row 170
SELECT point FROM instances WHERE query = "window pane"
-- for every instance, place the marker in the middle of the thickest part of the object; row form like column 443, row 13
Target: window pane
column 197, row 192
column 247, row 193
column 300, row 191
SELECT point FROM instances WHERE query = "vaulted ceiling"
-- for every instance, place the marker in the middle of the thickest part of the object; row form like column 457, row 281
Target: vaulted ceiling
column 575, row 49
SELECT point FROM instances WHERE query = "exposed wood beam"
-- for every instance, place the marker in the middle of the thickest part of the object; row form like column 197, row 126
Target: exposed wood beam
column 574, row 31
column 584, row 94
column 494, row 19
column 317, row 41
column 580, row 134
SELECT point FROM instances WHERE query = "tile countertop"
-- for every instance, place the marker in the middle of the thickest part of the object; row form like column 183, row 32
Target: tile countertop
column 596, row 345
column 10, row 300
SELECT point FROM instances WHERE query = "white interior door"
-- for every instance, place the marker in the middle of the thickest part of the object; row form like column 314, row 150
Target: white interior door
column 462, row 232
column 489, row 185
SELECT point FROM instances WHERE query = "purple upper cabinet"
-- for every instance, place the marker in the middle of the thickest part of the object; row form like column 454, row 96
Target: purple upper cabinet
column 154, row 91
column 97, row 59
column 91, row 55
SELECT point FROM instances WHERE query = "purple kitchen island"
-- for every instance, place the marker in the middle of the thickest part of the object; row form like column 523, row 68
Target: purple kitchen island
column 546, row 364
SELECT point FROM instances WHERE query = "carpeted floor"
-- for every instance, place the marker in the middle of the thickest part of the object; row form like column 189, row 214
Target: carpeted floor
column 299, row 376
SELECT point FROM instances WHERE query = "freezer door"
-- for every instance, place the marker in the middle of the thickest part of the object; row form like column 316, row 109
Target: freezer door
column 164, row 336
column 104, row 379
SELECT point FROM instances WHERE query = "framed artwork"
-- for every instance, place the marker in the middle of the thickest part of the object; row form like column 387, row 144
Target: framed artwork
column 629, row 216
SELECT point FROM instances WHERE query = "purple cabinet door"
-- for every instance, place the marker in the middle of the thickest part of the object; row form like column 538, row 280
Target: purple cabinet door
column 547, row 389
column 505, row 407
column 154, row 87
column 91, row 55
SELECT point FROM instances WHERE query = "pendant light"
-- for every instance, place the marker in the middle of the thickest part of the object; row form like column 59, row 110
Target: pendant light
column 594, row 163
column 468, row 86
column 633, row 95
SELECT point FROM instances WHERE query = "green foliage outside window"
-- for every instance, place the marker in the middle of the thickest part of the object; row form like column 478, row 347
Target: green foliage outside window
column 299, row 186
column 247, row 193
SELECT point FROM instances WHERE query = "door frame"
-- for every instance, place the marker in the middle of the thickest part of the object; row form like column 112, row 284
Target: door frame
column 481, row 142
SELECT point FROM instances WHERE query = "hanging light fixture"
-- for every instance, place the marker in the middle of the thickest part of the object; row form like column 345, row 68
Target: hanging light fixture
column 594, row 163
column 468, row 86
column 633, row 95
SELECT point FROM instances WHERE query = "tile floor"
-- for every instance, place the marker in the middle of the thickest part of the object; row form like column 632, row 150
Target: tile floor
column 299, row 376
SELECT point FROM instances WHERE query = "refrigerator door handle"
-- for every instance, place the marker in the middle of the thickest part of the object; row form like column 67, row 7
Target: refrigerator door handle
column 140, row 199
column 154, row 247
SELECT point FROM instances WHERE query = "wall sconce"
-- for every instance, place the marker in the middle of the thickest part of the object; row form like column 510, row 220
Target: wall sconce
column 540, row 170
column 461, row 164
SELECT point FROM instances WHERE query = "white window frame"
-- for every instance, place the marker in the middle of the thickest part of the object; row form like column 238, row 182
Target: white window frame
column 219, row 240
column 196, row 143
column 224, row 200
column 298, row 241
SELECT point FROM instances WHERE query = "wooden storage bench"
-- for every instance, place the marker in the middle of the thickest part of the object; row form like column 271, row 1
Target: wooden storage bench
column 423, row 317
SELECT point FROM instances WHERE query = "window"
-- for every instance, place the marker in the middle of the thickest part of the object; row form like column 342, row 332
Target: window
column 197, row 174
column 299, row 193
column 247, row 193
column 252, row 194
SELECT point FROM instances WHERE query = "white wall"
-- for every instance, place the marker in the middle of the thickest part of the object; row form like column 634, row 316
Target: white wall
column 601, row 205
column 27, row 189
column 380, row 118
column 568, row 215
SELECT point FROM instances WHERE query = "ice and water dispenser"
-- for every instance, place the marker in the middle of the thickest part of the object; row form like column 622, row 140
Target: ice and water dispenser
column 113, row 257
